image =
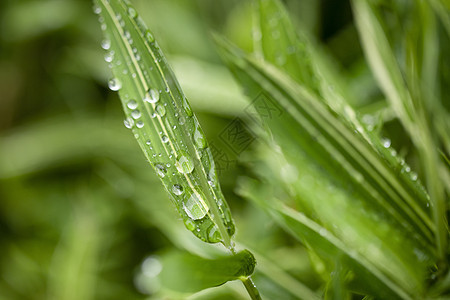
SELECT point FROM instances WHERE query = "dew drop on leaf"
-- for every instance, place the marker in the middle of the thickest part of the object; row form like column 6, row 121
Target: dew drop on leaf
column 140, row 124
column 177, row 189
column 132, row 104
column 152, row 96
column 160, row 110
column 195, row 206
column 114, row 84
column 109, row 56
column 160, row 170
column 136, row 114
column 386, row 142
column 97, row 9
column 187, row 108
column 164, row 139
column 213, row 234
column 106, row 44
column 132, row 12
column 128, row 122
column 149, row 36
column 184, row 164
column 199, row 138
column 190, row 225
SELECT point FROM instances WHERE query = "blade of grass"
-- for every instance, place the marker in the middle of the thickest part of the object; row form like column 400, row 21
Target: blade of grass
column 319, row 239
column 410, row 110
column 163, row 123
column 349, row 152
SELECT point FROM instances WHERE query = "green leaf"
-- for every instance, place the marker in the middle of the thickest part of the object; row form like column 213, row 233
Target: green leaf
column 186, row 273
column 162, row 121
column 367, row 277
column 409, row 100
column 277, row 41
column 356, row 189
column 310, row 125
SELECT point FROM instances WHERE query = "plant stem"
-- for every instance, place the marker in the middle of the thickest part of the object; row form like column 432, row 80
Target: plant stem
column 247, row 281
column 251, row 288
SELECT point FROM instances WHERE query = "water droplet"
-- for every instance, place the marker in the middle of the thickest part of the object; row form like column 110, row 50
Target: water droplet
column 160, row 110
column 181, row 120
column 136, row 114
column 177, row 189
column 109, row 56
column 148, row 142
column 103, row 26
column 189, row 223
column 199, row 138
column 128, row 122
column 106, row 44
column 184, row 164
column 386, row 142
column 152, row 96
column 195, row 206
column 167, row 89
column 164, row 139
column 160, row 170
column 97, row 9
column 213, row 234
column 149, row 36
column 140, row 124
column 187, row 107
column 138, row 57
column 132, row 12
column 132, row 104
column 413, row 176
column 407, row 169
column 114, row 84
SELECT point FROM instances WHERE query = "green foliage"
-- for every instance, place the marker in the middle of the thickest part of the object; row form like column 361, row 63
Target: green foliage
column 187, row 273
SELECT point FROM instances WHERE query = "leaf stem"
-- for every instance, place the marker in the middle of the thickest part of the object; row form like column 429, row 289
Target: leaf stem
column 251, row 288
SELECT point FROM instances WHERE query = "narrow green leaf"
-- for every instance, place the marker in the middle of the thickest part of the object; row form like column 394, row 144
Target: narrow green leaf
column 367, row 277
column 160, row 117
column 186, row 273
column 358, row 195
column 408, row 101
column 310, row 125
column 278, row 42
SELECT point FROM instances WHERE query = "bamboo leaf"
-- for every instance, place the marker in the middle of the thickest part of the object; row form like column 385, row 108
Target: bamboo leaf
column 160, row 117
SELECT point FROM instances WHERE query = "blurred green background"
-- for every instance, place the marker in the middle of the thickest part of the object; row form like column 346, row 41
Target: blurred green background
column 82, row 215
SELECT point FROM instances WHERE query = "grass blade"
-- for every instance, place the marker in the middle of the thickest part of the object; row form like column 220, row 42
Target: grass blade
column 163, row 123
column 350, row 152
column 315, row 140
column 320, row 240
column 410, row 107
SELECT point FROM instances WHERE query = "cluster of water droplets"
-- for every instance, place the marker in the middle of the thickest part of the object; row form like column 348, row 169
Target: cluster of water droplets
column 173, row 161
